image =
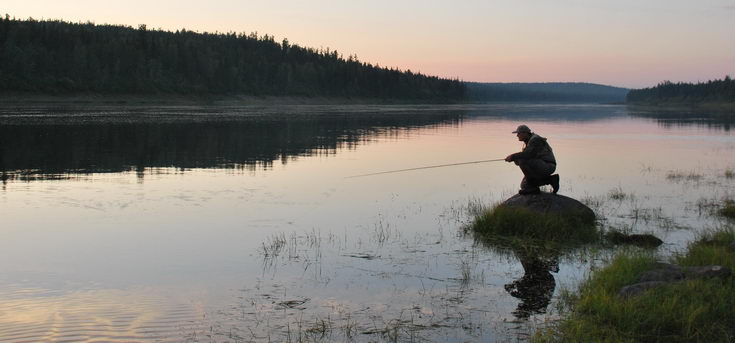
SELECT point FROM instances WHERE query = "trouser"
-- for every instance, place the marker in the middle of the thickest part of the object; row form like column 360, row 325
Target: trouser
column 535, row 172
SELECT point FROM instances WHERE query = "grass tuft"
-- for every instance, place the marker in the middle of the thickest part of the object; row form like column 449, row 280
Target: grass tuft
column 728, row 210
column 678, row 175
column 701, row 310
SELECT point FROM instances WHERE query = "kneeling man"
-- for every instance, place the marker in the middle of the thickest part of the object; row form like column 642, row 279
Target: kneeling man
column 537, row 162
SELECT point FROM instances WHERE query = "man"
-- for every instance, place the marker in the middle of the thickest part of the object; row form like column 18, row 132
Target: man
column 537, row 162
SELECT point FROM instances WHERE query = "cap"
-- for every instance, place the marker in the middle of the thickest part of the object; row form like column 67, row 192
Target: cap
column 522, row 128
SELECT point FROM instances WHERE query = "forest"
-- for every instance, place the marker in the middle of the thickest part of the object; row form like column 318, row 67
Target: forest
column 544, row 92
column 713, row 91
column 58, row 57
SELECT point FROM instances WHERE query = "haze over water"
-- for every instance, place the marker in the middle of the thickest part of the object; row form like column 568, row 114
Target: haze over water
column 240, row 224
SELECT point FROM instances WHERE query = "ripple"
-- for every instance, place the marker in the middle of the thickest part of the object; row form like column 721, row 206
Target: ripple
column 32, row 315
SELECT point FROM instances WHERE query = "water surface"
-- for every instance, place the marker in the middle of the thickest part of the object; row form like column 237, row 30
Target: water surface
column 229, row 224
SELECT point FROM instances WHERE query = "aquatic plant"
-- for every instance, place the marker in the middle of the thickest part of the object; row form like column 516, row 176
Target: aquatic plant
column 678, row 175
column 698, row 310
column 728, row 210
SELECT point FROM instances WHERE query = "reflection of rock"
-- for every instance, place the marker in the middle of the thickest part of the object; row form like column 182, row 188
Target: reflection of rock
column 666, row 274
column 536, row 287
column 549, row 203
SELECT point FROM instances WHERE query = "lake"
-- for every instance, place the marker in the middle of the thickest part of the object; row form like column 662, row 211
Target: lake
column 236, row 224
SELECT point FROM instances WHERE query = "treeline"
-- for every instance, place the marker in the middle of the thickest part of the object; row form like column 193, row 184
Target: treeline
column 544, row 92
column 62, row 57
column 714, row 91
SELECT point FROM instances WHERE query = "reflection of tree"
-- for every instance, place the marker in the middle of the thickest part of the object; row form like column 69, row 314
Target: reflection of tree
column 536, row 287
column 54, row 147
column 672, row 118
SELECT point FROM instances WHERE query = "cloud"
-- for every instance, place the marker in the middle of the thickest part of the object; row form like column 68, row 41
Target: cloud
column 729, row 7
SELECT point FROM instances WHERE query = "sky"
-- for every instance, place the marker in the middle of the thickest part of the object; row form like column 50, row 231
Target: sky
column 626, row 43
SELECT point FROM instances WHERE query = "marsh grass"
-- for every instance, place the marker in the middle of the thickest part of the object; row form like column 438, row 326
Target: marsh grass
column 678, row 175
column 689, row 311
column 618, row 194
column 728, row 210
column 515, row 222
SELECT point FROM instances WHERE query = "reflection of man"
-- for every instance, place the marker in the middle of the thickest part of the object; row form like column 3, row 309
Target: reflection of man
column 536, row 161
column 536, row 287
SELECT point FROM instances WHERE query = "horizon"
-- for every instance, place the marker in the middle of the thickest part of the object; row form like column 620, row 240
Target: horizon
column 626, row 45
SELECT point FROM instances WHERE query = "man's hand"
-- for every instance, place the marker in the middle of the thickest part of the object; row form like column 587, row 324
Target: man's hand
column 509, row 158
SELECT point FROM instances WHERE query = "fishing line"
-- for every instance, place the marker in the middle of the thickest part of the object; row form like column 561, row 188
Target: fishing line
column 428, row 167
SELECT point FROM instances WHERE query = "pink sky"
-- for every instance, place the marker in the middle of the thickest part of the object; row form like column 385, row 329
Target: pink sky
column 623, row 43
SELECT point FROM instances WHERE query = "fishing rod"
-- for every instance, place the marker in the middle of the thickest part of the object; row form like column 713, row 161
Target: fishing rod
column 428, row 167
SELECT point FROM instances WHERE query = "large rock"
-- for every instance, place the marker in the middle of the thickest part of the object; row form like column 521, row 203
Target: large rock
column 549, row 203
column 638, row 288
column 666, row 274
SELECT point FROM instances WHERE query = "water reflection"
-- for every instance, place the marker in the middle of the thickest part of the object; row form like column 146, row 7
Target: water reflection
column 673, row 118
column 62, row 148
column 536, row 287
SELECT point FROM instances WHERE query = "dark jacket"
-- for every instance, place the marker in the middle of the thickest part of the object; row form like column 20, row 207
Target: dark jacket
column 536, row 147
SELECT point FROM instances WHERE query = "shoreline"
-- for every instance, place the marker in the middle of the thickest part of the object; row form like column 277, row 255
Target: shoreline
column 200, row 99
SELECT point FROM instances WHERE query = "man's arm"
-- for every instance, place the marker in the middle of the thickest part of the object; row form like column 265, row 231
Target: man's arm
column 530, row 151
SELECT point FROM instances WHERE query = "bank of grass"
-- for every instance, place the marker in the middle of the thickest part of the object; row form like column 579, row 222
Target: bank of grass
column 688, row 311
column 517, row 222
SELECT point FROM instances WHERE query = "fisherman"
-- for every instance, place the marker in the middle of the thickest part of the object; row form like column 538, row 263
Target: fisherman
column 536, row 161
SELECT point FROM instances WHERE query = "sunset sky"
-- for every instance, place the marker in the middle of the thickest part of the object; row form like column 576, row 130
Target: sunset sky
column 622, row 43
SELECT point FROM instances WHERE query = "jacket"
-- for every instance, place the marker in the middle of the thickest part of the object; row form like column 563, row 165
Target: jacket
column 536, row 147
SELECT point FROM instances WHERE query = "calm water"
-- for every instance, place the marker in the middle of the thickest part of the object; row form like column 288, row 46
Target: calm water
column 238, row 224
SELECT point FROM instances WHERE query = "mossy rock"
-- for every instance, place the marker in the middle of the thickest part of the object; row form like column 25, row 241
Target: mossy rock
column 548, row 203
column 544, row 216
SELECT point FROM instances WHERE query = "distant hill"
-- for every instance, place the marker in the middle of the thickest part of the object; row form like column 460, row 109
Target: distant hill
column 544, row 92
column 714, row 93
column 57, row 57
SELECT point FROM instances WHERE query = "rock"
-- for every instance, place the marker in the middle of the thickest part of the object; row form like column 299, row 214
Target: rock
column 663, row 275
column 549, row 203
column 642, row 240
column 706, row 272
column 638, row 288
column 668, row 273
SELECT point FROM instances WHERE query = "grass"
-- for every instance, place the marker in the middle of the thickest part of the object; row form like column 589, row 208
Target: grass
column 678, row 175
column 728, row 210
column 688, row 311
column 618, row 194
column 515, row 222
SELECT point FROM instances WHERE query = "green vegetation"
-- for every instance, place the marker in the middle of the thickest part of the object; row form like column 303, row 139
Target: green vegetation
column 714, row 94
column 546, row 92
column 56, row 57
column 701, row 310
column 728, row 210
column 515, row 222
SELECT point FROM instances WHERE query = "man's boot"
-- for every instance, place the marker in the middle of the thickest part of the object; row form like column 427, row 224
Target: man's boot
column 528, row 187
column 555, row 183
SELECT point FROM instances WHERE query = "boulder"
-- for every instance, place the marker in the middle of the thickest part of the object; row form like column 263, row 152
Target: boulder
column 706, row 272
column 663, row 275
column 549, row 203
column 638, row 288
